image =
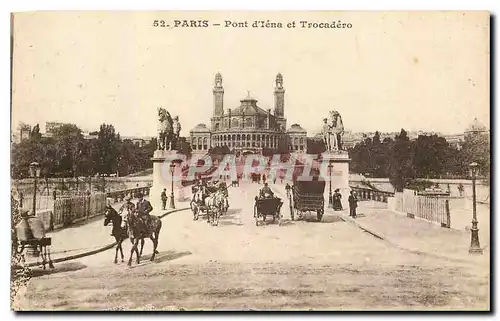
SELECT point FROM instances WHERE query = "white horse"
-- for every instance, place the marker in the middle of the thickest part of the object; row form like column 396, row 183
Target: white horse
column 213, row 209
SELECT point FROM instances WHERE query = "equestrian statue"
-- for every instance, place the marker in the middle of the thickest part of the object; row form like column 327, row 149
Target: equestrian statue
column 333, row 129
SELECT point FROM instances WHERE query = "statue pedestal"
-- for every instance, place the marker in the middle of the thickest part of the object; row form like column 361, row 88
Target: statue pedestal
column 162, row 176
column 340, row 174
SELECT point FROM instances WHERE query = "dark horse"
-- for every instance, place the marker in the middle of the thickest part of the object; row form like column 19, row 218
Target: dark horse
column 119, row 232
column 139, row 229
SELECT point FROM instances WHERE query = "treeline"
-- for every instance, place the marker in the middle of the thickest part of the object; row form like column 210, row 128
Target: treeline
column 68, row 154
column 402, row 160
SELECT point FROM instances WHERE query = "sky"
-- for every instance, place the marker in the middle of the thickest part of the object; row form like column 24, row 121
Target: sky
column 418, row 71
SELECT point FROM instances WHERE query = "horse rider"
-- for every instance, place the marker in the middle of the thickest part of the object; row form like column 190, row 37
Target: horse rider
column 223, row 188
column 143, row 207
column 127, row 207
column 266, row 192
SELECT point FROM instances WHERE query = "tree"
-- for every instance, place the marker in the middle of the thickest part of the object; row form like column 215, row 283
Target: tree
column 108, row 147
column 401, row 170
column 431, row 154
column 315, row 146
column 476, row 148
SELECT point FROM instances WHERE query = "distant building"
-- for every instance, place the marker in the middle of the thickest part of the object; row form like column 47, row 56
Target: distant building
column 296, row 138
column 51, row 127
column 248, row 127
column 139, row 141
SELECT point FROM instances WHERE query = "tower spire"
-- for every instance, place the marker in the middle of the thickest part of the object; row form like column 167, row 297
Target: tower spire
column 218, row 92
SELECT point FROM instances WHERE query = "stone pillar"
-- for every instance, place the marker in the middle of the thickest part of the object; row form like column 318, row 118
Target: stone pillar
column 340, row 174
column 162, row 178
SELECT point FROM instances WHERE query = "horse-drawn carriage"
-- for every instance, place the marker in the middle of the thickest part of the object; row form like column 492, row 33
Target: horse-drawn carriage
column 267, row 207
column 255, row 178
column 307, row 196
column 209, row 200
column 30, row 237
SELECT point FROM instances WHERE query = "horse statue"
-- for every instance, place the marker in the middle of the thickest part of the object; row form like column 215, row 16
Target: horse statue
column 118, row 231
column 336, row 130
column 139, row 228
column 165, row 129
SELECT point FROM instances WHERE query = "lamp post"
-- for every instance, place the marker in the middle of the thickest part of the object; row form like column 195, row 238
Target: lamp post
column 330, row 203
column 172, row 169
column 34, row 173
column 474, row 240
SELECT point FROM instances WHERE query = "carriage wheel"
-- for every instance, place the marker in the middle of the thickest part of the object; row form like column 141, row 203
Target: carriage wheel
column 320, row 214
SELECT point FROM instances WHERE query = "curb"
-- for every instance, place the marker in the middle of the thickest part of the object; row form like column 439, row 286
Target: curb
column 101, row 249
column 383, row 238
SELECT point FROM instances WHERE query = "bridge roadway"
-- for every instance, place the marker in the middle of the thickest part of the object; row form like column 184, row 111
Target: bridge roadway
column 237, row 265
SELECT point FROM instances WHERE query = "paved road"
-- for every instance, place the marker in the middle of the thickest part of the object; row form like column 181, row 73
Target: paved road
column 237, row 265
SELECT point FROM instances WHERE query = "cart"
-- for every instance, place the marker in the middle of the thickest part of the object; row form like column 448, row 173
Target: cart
column 267, row 207
column 307, row 196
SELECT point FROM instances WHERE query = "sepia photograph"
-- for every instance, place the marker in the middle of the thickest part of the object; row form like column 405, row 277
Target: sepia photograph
column 250, row 161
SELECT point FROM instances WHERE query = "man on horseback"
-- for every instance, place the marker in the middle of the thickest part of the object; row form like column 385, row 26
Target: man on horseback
column 143, row 207
column 126, row 208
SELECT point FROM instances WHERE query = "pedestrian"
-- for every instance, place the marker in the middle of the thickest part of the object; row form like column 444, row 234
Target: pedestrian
column 337, row 203
column 164, row 198
column 353, row 204
column 461, row 189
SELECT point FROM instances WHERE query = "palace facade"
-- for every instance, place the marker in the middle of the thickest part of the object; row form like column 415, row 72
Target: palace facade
column 248, row 127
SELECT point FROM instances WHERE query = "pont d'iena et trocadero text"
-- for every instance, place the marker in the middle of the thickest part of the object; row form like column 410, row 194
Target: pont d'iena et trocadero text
column 299, row 24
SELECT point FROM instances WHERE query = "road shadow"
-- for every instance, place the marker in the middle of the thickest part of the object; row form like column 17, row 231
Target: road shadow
column 287, row 223
column 163, row 256
column 58, row 268
column 233, row 211
column 224, row 222
column 326, row 219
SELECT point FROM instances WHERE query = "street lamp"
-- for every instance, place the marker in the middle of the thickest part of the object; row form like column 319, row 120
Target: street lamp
column 474, row 240
column 172, row 169
column 34, row 173
column 330, row 203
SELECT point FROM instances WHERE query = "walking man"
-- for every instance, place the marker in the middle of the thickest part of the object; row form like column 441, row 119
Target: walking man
column 164, row 198
column 353, row 204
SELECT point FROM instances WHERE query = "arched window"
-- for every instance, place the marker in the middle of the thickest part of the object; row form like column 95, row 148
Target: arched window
column 238, row 137
column 248, row 122
column 217, row 126
column 302, row 141
column 248, row 136
column 253, row 136
column 205, row 143
column 233, row 137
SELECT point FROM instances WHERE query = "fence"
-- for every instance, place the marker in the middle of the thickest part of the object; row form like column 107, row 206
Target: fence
column 118, row 196
column 434, row 209
column 69, row 210
column 366, row 194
